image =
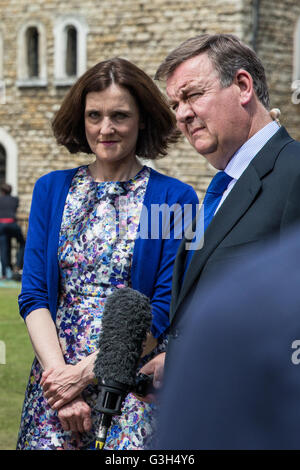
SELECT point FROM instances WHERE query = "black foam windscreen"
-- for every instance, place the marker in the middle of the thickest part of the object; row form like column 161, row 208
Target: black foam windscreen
column 126, row 321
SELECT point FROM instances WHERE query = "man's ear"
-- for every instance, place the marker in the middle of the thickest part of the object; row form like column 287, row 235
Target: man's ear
column 244, row 81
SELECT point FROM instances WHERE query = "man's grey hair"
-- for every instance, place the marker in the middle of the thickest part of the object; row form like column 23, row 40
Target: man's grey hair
column 227, row 54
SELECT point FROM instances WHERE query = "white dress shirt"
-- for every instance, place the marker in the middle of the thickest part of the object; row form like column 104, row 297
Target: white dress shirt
column 243, row 156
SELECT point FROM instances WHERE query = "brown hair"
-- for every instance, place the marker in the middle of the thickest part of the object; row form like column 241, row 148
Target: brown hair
column 5, row 188
column 160, row 125
column 227, row 53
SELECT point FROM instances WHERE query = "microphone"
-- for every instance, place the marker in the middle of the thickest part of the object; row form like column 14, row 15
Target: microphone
column 126, row 321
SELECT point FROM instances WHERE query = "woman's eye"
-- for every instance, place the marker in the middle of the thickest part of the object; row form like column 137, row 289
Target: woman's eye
column 120, row 116
column 93, row 114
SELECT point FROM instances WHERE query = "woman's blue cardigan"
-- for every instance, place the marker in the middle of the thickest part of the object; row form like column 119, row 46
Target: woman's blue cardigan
column 153, row 257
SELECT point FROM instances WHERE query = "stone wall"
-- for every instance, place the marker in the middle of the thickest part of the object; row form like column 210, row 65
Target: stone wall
column 275, row 47
column 144, row 32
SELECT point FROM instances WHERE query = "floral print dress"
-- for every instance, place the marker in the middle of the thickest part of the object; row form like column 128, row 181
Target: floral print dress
column 96, row 243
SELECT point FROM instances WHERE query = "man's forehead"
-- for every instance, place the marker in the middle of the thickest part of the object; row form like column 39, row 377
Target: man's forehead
column 179, row 88
column 192, row 72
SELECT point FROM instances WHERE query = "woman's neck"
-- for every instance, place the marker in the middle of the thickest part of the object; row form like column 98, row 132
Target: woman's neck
column 102, row 171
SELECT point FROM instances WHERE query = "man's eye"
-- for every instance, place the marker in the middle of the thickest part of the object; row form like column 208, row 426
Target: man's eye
column 194, row 96
column 174, row 106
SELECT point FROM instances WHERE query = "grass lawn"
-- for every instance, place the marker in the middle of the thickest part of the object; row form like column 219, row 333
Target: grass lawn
column 14, row 373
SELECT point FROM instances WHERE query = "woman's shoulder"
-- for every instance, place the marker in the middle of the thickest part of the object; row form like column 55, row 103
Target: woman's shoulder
column 168, row 182
column 57, row 176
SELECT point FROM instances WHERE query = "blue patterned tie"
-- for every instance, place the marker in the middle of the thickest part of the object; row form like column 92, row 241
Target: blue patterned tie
column 214, row 194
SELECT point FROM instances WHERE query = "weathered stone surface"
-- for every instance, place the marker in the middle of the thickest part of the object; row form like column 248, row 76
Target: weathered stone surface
column 144, row 32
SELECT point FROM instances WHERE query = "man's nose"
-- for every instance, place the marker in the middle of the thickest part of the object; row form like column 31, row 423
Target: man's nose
column 184, row 112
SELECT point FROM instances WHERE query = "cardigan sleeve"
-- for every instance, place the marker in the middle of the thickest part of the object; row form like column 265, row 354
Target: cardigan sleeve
column 34, row 293
column 185, row 203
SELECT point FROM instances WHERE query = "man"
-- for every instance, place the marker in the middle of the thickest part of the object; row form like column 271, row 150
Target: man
column 217, row 88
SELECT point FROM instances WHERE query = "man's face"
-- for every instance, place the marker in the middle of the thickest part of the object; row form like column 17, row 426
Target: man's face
column 211, row 117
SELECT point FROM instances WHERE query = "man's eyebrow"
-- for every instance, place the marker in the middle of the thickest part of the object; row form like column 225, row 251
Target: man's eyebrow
column 182, row 95
column 191, row 87
column 171, row 102
column 184, row 90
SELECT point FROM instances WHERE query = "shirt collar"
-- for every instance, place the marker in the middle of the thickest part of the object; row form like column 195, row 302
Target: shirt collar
column 243, row 156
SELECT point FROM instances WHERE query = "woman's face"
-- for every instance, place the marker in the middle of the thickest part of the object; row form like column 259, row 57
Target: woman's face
column 112, row 123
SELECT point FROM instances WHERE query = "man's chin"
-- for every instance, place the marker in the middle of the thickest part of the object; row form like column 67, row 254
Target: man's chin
column 203, row 144
column 207, row 151
column 214, row 158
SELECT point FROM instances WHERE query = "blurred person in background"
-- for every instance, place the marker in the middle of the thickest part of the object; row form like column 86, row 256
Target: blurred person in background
column 9, row 229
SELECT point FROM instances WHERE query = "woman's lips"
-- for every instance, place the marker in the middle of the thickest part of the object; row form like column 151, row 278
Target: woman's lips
column 108, row 143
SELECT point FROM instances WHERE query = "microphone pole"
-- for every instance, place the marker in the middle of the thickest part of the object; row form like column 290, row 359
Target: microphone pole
column 126, row 320
column 110, row 400
column 109, row 403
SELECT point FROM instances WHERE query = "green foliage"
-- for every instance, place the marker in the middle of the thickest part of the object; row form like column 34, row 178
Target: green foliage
column 15, row 372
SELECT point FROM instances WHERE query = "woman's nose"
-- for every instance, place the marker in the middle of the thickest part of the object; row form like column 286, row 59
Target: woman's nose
column 107, row 126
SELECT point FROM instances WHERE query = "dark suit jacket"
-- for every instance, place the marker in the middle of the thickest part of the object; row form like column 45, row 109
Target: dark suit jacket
column 234, row 381
column 8, row 206
column 264, row 202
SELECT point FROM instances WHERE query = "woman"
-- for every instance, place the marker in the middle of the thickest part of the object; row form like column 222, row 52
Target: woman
column 74, row 258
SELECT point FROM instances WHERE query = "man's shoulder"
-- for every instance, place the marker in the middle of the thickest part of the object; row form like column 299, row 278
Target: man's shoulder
column 289, row 155
column 283, row 138
column 280, row 153
column 293, row 145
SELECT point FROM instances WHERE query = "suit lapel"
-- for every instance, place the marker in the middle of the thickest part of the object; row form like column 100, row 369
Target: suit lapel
column 177, row 275
column 235, row 205
column 233, row 208
column 180, row 261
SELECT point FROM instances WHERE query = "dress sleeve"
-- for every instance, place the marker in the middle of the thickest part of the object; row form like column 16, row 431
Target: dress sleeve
column 34, row 293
